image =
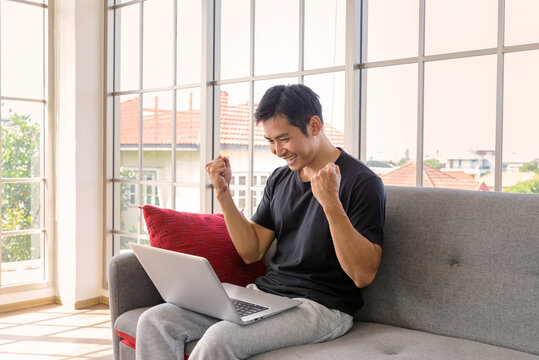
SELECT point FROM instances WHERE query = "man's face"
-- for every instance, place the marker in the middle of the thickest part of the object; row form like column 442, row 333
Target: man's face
column 289, row 142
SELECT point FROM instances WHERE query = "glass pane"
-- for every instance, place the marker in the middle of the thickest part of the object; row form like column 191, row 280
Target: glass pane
column 22, row 259
column 188, row 199
column 129, row 202
column 235, row 29
column 392, row 123
column 188, row 136
column 330, row 89
column 189, row 41
column 22, row 65
column 158, row 44
column 460, row 122
column 449, row 28
column 128, row 56
column 276, row 46
column 234, row 134
column 325, row 23
column 21, row 139
column 392, row 29
column 124, row 242
column 157, row 134
column 520, row 122
column 129, row 135
column 521, row 25
column 21, row 206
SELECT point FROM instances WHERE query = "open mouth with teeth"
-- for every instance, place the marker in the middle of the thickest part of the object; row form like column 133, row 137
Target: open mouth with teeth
column 290, row 159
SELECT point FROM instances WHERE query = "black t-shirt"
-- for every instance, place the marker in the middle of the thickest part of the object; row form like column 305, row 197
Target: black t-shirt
column 305, row 263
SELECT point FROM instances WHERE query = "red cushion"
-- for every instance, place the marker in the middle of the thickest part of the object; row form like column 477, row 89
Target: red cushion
column 203, row 235
column 127, row 339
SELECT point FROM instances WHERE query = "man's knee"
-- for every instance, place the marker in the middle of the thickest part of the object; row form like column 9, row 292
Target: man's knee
column 219, row 341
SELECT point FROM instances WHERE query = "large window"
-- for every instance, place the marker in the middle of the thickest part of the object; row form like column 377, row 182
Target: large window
column 172, row 97
column 24, row 125
column 426, row 92
column 155, row 96
column 450, row 89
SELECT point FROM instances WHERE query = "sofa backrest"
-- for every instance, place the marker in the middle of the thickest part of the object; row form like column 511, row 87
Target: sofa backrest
column 460, row 263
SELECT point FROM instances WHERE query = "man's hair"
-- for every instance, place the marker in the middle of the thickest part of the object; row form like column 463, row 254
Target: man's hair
column 297, row 103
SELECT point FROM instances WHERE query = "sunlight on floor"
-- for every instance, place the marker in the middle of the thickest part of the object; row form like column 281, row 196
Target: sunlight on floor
column 56, row 332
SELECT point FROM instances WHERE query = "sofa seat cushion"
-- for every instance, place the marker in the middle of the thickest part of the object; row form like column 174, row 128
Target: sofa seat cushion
column 370, row 341
column 126, row 328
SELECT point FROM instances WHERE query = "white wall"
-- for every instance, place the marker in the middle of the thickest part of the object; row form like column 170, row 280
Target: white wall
column 79, row 31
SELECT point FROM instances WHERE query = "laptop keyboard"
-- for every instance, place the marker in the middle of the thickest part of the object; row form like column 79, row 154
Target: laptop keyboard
column 244, row 308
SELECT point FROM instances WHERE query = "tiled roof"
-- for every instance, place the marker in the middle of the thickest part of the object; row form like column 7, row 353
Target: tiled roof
column 432, row 177
column 157, row 125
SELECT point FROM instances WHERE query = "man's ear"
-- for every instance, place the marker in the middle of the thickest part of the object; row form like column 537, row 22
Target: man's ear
column 315, row 125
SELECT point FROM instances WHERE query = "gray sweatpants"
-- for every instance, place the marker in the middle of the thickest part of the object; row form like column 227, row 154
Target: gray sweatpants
column 163, row 330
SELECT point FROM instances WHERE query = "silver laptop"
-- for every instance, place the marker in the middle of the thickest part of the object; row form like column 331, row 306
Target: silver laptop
column 189, row 281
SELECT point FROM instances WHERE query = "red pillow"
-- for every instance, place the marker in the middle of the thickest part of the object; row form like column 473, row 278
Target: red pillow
column 203, row 235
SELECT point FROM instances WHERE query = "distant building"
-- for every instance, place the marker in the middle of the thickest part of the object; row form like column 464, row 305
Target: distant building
column 473, row 162
column 432, row 177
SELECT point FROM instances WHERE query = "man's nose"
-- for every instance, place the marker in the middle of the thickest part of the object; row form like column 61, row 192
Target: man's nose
column 279, row 150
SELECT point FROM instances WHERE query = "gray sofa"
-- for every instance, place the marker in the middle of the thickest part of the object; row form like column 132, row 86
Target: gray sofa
column 459, row 279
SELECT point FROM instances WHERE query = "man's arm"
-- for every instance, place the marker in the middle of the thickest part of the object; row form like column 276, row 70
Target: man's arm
column 250, row 239
column 359, row 257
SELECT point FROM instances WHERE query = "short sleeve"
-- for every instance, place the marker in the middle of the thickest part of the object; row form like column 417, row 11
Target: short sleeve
column 262, row 216
column 367, row 209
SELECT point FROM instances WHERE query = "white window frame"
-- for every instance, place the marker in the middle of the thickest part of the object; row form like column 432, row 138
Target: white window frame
column 46, row 180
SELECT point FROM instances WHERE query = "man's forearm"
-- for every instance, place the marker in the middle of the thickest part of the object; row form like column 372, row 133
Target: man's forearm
column 358, row 256
column 240, row 229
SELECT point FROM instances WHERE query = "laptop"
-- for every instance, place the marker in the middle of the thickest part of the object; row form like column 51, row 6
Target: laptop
column 189, row 281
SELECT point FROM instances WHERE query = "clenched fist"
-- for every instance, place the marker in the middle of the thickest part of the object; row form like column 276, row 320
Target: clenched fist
column 325, row 184
column 220, row 173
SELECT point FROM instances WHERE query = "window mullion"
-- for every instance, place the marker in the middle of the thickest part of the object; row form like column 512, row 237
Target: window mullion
column 420, row 94
column 498, row 152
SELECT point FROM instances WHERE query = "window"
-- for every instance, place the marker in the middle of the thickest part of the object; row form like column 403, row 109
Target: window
column 415, row 96
column 164, row 102
column 155, row 112
column 434, row 112
column 24, row 234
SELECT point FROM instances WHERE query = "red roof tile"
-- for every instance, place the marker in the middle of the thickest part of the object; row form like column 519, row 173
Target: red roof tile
column 157, row 125
column 432, row 177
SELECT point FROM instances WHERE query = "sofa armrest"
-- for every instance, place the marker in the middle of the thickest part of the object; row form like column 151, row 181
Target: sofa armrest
column 129, row 288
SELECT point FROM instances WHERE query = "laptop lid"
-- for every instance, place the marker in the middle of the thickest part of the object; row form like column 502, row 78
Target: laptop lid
column 190, row 282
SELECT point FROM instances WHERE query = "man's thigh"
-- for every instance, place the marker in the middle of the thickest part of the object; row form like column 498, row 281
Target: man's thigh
column 307, row 323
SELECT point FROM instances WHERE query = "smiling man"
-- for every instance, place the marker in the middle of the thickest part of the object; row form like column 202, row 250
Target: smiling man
column 326, row 211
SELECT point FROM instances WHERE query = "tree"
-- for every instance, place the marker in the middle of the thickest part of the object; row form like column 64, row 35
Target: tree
column 405, row 159
column 526, row 187
column 20, row 145
column 434, row 163
column 531, row 166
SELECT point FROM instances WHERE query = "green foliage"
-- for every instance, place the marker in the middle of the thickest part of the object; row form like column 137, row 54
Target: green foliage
column 434, row 163
column 405, row 159
column 526, row 187
column 531, row 166
column 20, row 158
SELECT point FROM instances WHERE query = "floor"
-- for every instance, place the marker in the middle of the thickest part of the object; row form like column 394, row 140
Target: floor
column 54, row 332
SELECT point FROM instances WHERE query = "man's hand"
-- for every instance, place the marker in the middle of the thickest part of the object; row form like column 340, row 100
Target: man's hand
column 325, row 185
column 220, row 173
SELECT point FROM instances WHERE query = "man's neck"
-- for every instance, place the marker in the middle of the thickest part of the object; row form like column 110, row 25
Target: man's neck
column 327, row 153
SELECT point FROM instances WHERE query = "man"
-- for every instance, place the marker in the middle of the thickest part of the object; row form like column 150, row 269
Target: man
column 326, row 210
